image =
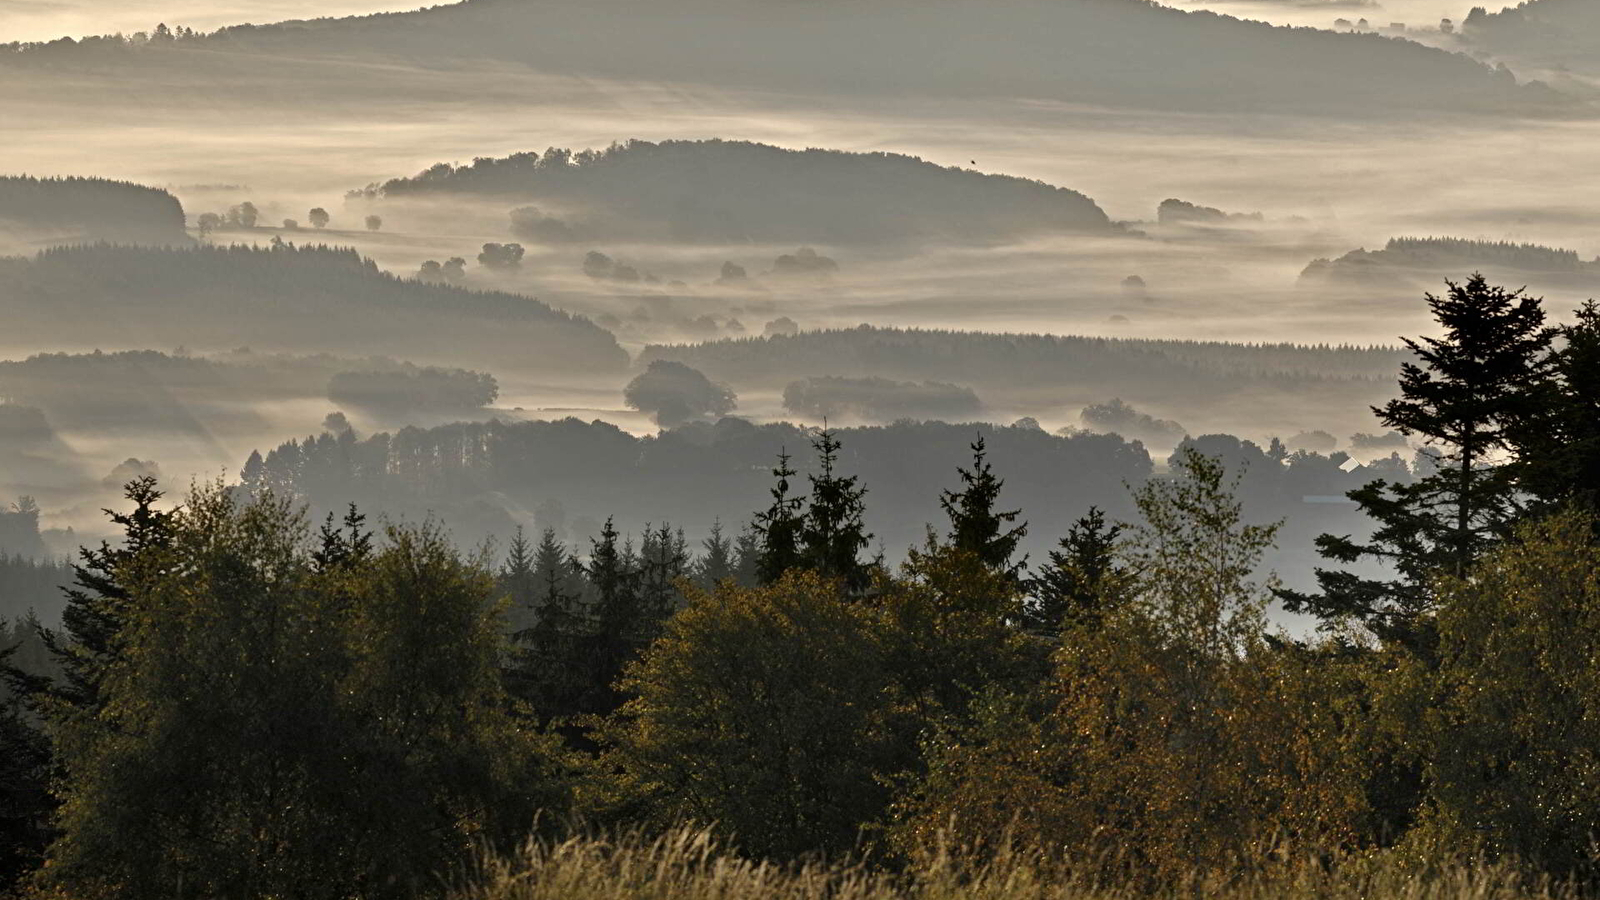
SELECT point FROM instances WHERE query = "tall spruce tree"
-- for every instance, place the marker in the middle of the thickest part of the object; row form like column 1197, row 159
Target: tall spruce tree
column 548, row 670
column 516, row 580
column 777, row 529
column 1558, row 448
column 833, row 533
column 1467, row 395
column 611, row 639
column 975, row 525
column 718, row 561
column 663, row 560
column 97, row 603
column 1082, row 580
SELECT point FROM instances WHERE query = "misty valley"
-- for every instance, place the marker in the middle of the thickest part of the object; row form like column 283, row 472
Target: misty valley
column 864, row 449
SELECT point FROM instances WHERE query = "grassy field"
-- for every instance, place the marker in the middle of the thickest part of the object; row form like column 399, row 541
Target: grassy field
column 691, row 865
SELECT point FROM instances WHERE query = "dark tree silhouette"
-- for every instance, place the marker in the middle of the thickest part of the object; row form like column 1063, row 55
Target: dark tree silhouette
column 975, row 525
column 1466, row 395
column 833, row 533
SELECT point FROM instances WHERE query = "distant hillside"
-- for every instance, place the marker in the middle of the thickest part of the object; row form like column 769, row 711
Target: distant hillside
column 78, row 210
column 1552, row 33
column 1434, row 258
column 722, row 191
column 306, row 300
column 1166, row 372
column 1124, row 53
column 146, row 391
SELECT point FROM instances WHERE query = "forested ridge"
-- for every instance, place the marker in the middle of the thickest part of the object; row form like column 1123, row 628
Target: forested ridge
column 70, row 210
column 1078, row 52
column 979, row 358
column 283, row 297
column 720, row 191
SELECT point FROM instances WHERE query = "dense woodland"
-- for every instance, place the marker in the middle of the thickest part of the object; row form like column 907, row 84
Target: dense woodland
column 735, row 191
column 77, row 210
column 304, row 299
column 352, row 710
column 1128, row 53
column 1422, row 258
column 1012, row 361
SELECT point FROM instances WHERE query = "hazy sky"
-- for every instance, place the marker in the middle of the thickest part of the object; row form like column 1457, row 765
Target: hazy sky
column 26, row 20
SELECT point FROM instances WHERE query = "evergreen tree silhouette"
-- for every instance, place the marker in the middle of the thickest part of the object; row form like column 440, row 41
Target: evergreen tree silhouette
column 833, row 533
column 975, row 525
column 1467, row 395
column 777, row 529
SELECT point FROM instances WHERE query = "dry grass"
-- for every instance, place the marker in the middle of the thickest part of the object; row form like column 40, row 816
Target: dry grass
column 690, row 865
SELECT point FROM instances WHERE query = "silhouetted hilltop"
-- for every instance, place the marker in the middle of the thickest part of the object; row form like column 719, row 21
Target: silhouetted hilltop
column 1114, row 52
column 722, row 191
column 77, row 210
column 1427, row 258
column 1009, row 361
column 300, row 299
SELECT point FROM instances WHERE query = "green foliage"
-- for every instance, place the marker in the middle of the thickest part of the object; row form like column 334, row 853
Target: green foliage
column 1082, row 581
column 975, row 525
column 335, row 730
column 833, row 533
column 1505, row 725
column 764, row 711
column 1468, row 395
column 1558, row 446
column 777, row 529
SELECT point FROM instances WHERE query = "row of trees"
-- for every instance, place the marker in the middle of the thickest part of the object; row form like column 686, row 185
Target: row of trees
column 346, row 716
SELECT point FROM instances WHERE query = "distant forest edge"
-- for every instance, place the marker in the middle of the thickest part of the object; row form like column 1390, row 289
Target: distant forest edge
column 484, row 478
column 982, row 359
column 1131, row 53
column 304, row 299
column 1425, row 257
column 724, row 191
column 37, row 210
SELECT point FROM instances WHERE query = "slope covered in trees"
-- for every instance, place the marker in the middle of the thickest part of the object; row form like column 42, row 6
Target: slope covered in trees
column 728, row 191
column 301, row 299
column 1010, row 362
column 1428, row 259
column 1558, row 34
column 76, row 210
column 1115, row 52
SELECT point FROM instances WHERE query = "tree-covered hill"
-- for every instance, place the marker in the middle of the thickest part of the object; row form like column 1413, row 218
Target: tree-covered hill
column 1405, row 260
column 77, row 210
column 1177, row 369
column 1134, row 53
column 284, row 298
column 722, row 191
column 1557, row 34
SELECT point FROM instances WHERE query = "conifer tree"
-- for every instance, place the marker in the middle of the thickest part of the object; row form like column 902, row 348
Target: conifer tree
column 747, row 556
column 97, row 603
column 613, row 576
column 718, row 563
column 1467, row 395
column 663, row 560
column 975, row 525
column 1558, row 448
column 833, row 533
column 548, row 671
column 349, row 547
column 1082, row 579
column 777, row 529
column 516, row 578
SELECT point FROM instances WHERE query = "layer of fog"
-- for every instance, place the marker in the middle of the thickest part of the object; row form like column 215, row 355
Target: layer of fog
column 1323, row 187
